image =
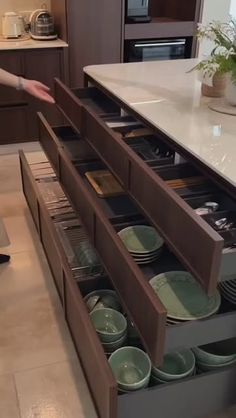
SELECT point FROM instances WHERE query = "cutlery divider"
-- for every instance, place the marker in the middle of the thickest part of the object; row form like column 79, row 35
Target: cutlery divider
column 172, row 399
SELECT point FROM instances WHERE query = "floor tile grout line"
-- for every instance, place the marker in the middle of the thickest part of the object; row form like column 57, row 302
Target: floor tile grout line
column 31, row 369
column 17, row 395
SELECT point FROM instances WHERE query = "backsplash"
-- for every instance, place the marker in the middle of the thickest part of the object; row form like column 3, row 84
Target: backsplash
column 20, row 5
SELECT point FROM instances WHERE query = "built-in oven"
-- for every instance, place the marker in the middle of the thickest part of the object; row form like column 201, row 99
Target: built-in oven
column 158, row 50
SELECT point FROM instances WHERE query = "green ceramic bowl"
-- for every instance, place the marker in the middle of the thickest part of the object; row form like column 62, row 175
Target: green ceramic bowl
column 217, row 353
column 209, row 367
column 110, row 325
column 177, row 365
column 131, row 368
column 114, row 345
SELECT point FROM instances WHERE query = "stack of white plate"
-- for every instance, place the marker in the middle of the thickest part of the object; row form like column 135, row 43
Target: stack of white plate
column 143, row 243
column 183, row 297
column 228, row 290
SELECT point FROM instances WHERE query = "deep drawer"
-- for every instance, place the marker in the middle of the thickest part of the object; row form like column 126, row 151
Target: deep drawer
column 100, row 223
column 183, row 399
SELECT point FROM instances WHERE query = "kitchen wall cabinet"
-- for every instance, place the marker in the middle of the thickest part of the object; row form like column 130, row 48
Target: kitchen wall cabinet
column 18, row 119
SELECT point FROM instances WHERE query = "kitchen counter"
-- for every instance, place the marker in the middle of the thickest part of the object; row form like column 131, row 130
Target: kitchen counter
column 29, row 43
column 169, row 98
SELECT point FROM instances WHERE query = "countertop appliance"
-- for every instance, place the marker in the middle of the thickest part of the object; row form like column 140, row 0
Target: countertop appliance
column 12, row 25
column 137, row 11
column 158, row 50
column 42, row 25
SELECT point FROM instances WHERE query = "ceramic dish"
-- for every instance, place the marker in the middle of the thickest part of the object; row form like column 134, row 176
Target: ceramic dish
column 183, row 296
column 141, row 239
column 216, row 353
column 209, row 367
column 177, row 365
column 110, row 325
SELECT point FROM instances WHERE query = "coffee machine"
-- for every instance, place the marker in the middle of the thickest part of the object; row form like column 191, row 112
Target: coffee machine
column 137, row 11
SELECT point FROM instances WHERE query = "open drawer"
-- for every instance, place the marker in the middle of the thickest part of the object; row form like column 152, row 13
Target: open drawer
column 168, row 211
column 103, row 218
column 181, row 399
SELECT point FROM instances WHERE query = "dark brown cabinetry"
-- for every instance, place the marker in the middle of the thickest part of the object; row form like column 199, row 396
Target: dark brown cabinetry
column 17, row 109
column 97, row 31
column 71, row 152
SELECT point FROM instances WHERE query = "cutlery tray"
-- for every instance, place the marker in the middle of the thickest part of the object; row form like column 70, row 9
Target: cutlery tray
column 104, row 183
column 175, row 399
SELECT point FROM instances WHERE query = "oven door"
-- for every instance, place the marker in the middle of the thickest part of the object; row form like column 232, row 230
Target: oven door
column 155, row 50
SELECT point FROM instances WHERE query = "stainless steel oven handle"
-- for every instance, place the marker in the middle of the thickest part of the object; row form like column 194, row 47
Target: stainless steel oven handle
column 160, row 44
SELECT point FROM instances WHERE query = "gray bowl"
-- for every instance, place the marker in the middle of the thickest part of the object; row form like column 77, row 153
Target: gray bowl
column 177, row 365
column 131, row 368
column 110, row 325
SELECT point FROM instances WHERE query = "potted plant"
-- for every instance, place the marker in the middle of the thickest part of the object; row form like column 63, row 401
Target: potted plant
column 221, row 65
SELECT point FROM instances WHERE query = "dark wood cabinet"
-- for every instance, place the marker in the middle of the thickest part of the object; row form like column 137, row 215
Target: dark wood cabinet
column 18, row 118
column 86, row 111
column 97, row 31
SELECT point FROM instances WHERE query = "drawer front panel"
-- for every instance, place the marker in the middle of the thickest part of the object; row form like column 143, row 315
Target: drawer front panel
column 12, row 62
column 68, row 104
column 136, row 293
column 102, row 140
column 95, row 365
column 199, row 397
column 29, row 189
column 13, row 124
column 9, row 96
column 49, row 141
column 73, row 186
column 195, row 243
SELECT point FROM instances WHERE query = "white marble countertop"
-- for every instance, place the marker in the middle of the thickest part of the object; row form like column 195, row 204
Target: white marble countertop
column 29, row 43
column 170, row 99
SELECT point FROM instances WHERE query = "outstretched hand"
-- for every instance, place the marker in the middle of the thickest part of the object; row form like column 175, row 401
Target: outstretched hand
column 38, row 90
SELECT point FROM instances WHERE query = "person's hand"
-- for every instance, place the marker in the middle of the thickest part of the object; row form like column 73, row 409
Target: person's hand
column 38, row 90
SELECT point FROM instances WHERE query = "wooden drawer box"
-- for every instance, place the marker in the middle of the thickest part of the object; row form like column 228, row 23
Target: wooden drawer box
column 169, row 212
column 102, row 222
column 183, row 399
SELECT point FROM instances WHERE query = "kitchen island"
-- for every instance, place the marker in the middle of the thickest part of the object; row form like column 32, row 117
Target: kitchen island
column 108, row 129
column 169, row 98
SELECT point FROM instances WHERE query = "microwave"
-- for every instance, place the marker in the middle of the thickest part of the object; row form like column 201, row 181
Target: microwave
column 158, row 50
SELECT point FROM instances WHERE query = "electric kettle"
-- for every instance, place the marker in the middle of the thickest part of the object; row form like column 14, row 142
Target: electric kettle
column 11, row 25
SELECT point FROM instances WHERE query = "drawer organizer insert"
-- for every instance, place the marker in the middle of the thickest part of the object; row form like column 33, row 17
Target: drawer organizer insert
column 99, row 121
column 187, row 396
column 103, row 220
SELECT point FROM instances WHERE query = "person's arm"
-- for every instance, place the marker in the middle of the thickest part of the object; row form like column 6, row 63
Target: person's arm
column 35, row 88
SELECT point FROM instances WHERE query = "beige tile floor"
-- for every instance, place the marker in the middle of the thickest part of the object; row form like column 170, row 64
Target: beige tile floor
column 40, row 376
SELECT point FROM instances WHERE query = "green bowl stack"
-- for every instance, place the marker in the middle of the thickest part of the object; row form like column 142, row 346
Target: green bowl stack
column 213, row 356
column 177, row 365
column 131, row 368
column 111, row 327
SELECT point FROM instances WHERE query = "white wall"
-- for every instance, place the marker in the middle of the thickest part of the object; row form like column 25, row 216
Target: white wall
column 215, row 10
column 233, row 8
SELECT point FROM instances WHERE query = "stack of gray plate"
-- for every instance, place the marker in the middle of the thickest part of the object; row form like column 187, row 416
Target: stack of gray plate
column 228, row 290
column 143, row 243
column 183, row 297
column 214, row 356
